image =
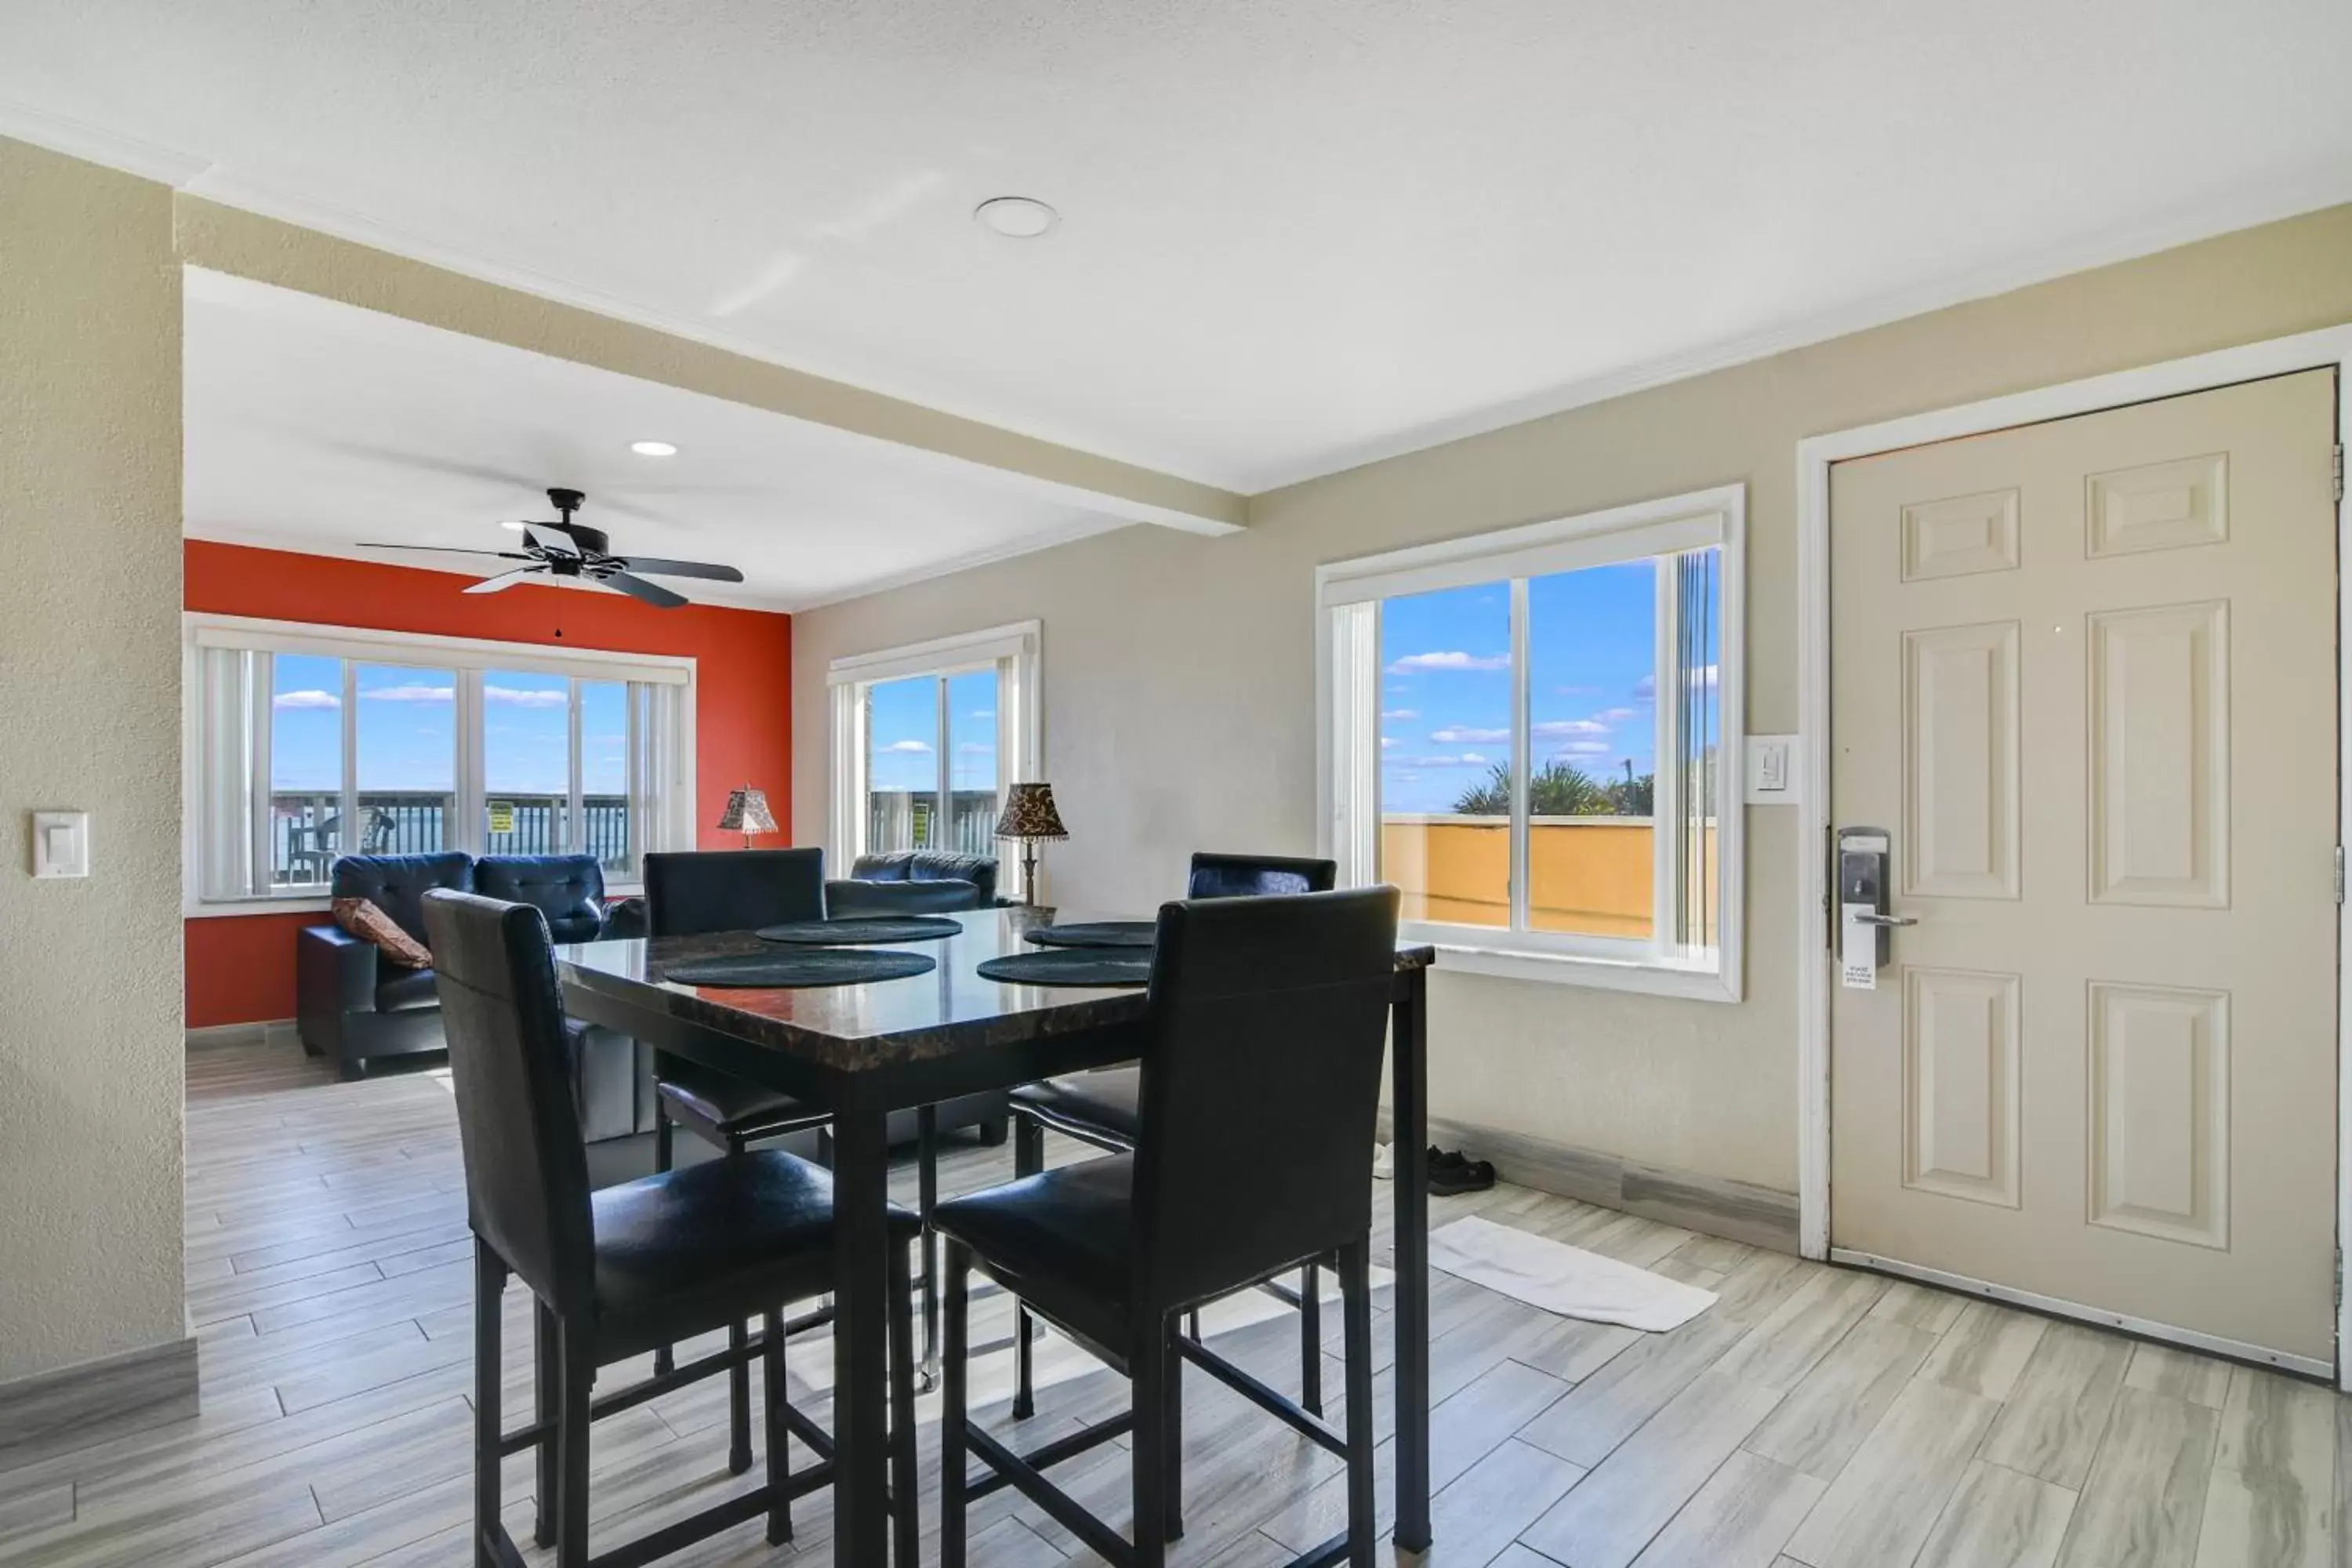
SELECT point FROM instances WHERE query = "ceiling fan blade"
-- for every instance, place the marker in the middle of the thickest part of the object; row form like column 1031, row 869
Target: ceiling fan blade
column 442, row 550
column 502, row 581
column 652, row 594
column 656, row 566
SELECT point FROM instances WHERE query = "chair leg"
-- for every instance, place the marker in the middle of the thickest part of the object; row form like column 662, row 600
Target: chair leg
column 1149, row 1455
column 572, row 1449
column 905, row 1485
column 952, row 1413
column 1310, row 1340
column 927, row 1155
column 1028, row 1160
column 665, row 1159
column 780, row 1458
column 489, row 1284
column 1173, row 1392
column 739, row 1401
column 1356, row 1310
column 547, row 1391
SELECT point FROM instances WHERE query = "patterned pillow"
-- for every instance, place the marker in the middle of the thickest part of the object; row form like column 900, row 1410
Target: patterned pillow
column 364, row 920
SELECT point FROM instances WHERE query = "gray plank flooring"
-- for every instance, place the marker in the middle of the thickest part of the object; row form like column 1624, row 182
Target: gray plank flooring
column 1812, row 1418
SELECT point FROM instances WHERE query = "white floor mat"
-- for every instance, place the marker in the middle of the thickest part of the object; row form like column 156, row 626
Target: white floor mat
column 1563, row 1278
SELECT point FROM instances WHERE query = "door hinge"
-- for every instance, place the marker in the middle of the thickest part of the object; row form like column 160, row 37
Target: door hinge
column 2339, row 873
column 2339, row 470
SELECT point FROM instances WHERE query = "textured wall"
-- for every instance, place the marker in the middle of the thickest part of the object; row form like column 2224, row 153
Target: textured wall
column 241, row 967
column 1180, row 672
column 89, row 718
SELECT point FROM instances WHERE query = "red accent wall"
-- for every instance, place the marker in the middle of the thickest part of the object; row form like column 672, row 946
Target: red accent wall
column 240, row 968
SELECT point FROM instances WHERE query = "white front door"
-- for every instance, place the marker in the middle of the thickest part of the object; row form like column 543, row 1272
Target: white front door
column 2083, row 673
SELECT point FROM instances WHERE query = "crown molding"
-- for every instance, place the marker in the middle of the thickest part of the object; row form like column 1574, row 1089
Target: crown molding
column 91, row 144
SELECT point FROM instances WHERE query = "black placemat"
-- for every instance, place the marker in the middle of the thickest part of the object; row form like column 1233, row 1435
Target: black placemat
column 1097, row 934
column 799, row 967
column 1070, row 966
column 855, row 932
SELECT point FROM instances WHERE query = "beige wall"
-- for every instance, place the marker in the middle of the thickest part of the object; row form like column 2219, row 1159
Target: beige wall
column 1179, row 672
column 90, row 1052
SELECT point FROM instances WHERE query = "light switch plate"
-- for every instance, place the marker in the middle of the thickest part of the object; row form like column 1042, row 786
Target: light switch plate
column 1775, row 771
column 60, row 844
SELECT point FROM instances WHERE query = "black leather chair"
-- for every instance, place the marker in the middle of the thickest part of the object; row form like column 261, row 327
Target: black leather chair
column 617, row 1271
column 1100, row 1107
column 1266, row 1029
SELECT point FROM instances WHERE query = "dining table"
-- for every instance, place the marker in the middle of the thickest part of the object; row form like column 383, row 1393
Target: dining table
column 862, row 1051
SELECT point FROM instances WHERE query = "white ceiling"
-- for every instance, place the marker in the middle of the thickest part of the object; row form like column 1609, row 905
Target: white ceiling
column 1294, row 235
column 311, row 424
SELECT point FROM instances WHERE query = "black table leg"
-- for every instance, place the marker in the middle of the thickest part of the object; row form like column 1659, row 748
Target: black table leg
column 1408, row 1190
column 862, row 1314
column 926, row 1136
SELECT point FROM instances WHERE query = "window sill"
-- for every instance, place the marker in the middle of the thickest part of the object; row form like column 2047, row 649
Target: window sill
column 1597, row 973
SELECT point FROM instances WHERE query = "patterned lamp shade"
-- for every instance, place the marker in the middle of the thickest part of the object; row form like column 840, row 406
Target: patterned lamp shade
column 1029, row 813
column 747, row 813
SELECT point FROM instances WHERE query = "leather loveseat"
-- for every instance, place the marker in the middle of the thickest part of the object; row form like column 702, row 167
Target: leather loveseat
column 913, row 882
column 353, row 1007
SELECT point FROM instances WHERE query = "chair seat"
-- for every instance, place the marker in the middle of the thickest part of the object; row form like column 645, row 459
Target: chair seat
column 1063, row 1242
column 1102, row 1107
column 722, row 1106
column 401, row 990
column 683, row 1252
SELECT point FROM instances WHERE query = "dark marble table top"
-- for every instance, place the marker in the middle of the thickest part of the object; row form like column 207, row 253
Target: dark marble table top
column 881, row 1021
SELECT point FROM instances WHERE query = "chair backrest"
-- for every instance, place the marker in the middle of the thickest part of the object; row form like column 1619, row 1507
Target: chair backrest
column 1262, row 1055
column 732, row 890
column 526, row 1167
column 569, row 889
column 397, row 884
column 1258, row 876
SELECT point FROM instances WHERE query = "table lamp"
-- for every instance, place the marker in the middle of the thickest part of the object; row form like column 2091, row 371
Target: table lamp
column 1029, row 816
column 747, row 813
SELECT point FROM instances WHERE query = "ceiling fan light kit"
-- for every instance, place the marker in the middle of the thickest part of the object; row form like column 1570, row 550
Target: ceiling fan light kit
column 590, row 559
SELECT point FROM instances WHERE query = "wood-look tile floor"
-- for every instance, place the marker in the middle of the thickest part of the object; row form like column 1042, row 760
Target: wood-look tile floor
column 1813, row 1417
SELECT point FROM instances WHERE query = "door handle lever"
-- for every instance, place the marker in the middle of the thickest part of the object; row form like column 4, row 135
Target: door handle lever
column 1884, row 920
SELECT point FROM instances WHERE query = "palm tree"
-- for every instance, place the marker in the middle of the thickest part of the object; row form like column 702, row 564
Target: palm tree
column 1562, row 789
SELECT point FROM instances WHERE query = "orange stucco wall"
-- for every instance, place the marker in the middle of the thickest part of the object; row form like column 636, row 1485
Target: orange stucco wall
column 240, row 968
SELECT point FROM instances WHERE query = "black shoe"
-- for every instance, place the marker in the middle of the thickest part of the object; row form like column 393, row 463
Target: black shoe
column 1450, row 1175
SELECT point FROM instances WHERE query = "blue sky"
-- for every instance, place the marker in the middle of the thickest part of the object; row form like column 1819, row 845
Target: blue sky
column 903, row 732
column 407, row 730
column 1445, row 681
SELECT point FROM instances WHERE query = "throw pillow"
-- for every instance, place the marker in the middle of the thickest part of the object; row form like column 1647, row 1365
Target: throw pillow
column 364, row 920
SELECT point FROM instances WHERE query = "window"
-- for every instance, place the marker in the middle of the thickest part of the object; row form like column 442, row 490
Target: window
column 307, row 744
column 921, row 740
column 1524, row 732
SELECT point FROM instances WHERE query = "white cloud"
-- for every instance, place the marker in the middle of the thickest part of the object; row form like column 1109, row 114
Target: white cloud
column 1616, row 715
column 1449, row 660
column 1646, row 689
column 1466, row 760
column 525, row 696
column 1458, row 735
column 985, row 713
column 306, row 700
column 1387, row 741
column 1586, row 749
column 908, row 746
column 1565, row 729
column 411, row 694
column 1400, row 713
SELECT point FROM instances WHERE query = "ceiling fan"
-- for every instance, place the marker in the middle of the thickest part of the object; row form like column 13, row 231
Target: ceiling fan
column 590, row 557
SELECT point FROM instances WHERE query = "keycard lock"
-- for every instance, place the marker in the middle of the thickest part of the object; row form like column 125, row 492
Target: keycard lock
column 1864, row 928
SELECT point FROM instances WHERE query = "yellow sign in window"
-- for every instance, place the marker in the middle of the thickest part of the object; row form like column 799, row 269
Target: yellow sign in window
column 502, row 813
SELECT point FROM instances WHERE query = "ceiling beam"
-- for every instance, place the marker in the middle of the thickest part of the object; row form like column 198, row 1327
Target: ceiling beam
column 244, row 244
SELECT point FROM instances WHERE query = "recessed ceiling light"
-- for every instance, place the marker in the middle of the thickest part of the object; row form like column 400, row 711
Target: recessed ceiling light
column 1016, row 217
column 654, row 449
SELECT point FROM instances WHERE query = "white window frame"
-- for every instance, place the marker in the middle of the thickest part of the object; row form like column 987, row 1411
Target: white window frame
column 1011, row 650
column 671, row 825
column 1346, row 688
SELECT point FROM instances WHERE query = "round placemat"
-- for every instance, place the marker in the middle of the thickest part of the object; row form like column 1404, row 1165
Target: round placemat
column 857, row 931
column 806, row 966
column 1097, row 934
column 1070, row 966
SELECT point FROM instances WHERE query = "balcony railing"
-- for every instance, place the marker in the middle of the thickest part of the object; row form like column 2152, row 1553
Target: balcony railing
column 306, row 830
column 908, row 819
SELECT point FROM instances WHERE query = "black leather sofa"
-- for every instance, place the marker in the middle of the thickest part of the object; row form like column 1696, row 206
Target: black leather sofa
column 913, row 882
column 354, row 1008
